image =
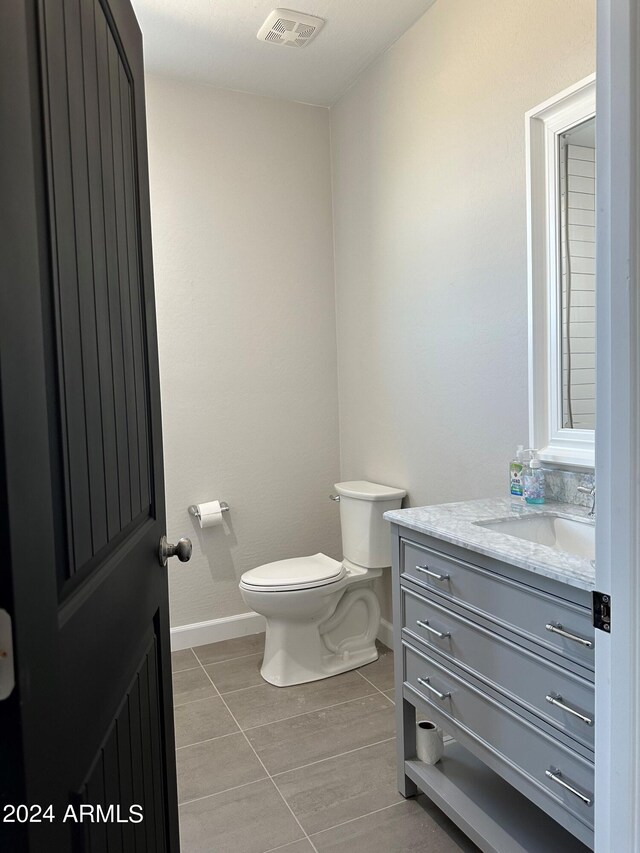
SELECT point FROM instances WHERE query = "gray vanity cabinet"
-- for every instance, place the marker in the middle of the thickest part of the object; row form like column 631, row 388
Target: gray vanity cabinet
column 502, row 659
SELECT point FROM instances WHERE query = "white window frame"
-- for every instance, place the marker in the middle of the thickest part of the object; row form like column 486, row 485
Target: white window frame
column 544, row 126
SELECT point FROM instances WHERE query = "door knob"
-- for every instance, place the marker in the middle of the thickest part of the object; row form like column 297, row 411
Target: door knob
column 182, row 550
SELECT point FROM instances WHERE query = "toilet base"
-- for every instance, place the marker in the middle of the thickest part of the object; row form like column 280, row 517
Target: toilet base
column 282, row 670
column 297, row 652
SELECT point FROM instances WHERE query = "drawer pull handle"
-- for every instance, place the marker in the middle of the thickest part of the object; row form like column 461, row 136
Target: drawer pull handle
column 435, row 575
column 555, row 699
column 556, row 776
column 441, row 635
column 426, row 683
column 556, row 628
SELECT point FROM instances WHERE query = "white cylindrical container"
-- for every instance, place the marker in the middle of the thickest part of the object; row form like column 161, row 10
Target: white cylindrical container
column 429, row 742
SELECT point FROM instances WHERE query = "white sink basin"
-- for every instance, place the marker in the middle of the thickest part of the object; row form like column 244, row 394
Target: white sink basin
column 571, row 535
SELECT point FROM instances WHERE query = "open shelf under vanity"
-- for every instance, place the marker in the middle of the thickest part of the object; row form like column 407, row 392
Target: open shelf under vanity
column 489, row 810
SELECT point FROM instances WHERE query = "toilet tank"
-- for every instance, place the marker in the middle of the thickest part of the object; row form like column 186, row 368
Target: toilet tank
column 366, row 539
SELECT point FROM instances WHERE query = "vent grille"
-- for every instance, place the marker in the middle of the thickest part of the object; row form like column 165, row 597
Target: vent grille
column 282, row 26
column 286, row 27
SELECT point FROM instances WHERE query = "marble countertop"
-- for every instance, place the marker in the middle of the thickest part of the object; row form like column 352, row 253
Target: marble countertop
column 456, row 523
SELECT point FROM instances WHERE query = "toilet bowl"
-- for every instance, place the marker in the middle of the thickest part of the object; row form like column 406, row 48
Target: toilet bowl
column 322, row 616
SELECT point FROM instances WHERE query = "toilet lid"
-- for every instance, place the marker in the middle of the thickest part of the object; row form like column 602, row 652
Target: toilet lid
column 298, row 573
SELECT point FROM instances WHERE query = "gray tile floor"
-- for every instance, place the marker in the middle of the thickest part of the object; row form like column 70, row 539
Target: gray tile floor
column 297, row 769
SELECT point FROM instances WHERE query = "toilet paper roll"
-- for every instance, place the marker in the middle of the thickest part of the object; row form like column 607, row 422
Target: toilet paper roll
column 429, row 742
column 210, row 514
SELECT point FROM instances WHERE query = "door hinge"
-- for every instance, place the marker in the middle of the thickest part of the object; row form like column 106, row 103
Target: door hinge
column 601, row 610
column 7, row 676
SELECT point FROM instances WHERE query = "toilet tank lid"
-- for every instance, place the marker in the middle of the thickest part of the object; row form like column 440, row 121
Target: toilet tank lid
column 300, row 571
column 368, row 491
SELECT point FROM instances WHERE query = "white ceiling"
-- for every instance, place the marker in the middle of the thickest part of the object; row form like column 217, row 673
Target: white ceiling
column 214, row 41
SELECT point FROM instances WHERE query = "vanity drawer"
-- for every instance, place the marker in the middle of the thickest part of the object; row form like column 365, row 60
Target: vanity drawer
column 559, row 625
column 545, row 766
column 519, row 674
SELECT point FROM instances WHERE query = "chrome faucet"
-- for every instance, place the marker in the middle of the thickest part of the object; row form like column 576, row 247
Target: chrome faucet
column 591, row 491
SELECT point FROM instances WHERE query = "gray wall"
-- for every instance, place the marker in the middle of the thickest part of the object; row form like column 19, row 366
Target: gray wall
column 428, row 155
column 242, row 235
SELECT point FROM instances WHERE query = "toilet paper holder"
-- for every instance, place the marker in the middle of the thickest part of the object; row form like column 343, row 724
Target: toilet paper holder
column 194, row 509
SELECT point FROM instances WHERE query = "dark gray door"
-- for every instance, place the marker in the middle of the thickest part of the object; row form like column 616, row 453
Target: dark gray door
column 81, row 482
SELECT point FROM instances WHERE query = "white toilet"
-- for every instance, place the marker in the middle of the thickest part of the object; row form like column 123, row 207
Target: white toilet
column 323, row 616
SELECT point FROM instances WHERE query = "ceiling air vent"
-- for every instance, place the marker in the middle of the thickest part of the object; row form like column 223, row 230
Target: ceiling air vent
column 283, row 26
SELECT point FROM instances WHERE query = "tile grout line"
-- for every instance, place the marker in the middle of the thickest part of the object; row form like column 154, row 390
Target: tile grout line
column 299, row 767
column 179, row 704
column 264, row 684
column 218, row 793
column 335, row 826
column 332, row 757
column 288, row 844
column 272, row 722
column 207, row 740
column 376, row 688
column 306, row 834
column 226, row 660
column 186, row 669
column 302, row 829
column 193, row 701
column 219, row 695
column 242, row 689
column 360, row 817
column 304, row 713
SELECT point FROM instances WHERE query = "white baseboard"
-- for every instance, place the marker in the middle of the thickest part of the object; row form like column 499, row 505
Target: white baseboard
column 215, row 630
column 385, row 633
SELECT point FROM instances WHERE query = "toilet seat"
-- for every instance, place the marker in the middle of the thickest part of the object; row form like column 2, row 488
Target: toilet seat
column 297, row 573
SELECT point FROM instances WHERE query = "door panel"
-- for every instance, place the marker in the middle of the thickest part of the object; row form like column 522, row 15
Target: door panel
column 126, row 769
column 103, row 375
column 81, row 455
